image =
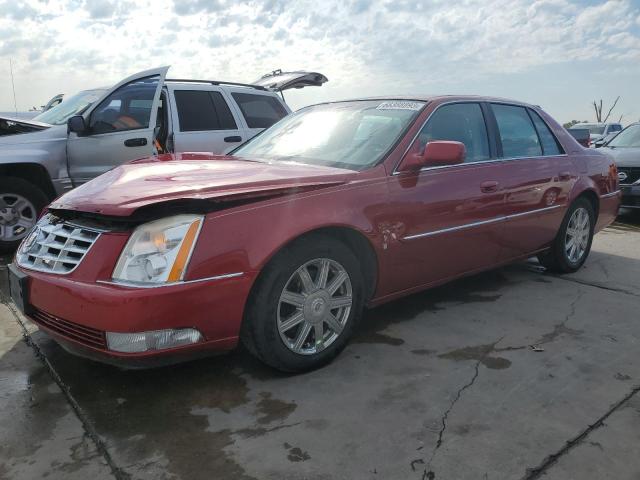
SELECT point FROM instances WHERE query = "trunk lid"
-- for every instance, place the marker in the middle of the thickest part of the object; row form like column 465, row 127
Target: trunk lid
column 279, row 80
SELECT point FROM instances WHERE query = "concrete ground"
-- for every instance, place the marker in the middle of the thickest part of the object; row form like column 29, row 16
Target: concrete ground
column 511, row 374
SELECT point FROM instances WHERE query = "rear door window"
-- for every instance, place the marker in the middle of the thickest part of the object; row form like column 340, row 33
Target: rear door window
column 260, row 111
column 517, row 134
column 459, row 122
column 550, row 145
column 202, row 110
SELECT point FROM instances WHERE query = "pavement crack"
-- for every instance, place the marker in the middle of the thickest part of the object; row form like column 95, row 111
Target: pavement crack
column 117, row 472
column 537, row 472
column 595, row 285
column 561, row 327
column 428, row 473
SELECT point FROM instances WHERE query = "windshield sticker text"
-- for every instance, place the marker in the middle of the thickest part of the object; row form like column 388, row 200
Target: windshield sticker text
column 399, row 105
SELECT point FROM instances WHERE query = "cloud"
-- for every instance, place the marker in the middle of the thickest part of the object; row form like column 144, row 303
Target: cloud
column 190, row 7
column 17, row 10
column 364, row 46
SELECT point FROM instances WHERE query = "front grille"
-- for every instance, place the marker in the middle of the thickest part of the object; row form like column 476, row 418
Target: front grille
column 54, row 246
column 633, row 175
column 80, row 333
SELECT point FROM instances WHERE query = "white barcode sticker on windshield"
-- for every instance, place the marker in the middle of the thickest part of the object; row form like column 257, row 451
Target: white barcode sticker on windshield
column 400, row 105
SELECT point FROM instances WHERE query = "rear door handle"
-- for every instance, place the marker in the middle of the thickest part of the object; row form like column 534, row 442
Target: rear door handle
column 135, row 142
column 489, row 186
column 564, row 176
column 233, row 139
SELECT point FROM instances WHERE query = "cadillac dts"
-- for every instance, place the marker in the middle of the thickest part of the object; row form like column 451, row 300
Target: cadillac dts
column 282, row 243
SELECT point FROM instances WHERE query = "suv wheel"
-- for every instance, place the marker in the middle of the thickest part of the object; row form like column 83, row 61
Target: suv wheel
column 572, row 244
column 304, row 305
column 20, row 205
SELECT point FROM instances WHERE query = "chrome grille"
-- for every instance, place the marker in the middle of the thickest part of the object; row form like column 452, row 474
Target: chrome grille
column 55, row 246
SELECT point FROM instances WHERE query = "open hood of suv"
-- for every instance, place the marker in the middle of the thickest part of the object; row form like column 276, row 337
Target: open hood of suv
column 279, row 80
column 194, row 176
column 11, row 126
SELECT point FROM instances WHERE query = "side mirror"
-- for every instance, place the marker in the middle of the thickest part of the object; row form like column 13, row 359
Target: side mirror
column 77, row 125
column 436, row 154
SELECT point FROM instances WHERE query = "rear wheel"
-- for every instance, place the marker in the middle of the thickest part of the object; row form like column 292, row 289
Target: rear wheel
column 305, row 305
column 20, row 204
column 572, row 244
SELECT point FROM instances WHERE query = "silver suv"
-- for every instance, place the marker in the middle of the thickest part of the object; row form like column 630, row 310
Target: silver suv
column 143, row 115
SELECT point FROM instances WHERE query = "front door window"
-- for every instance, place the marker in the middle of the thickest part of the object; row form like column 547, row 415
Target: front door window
column 128, row 108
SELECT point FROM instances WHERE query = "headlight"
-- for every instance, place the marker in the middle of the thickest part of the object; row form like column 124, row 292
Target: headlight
column 158, row 252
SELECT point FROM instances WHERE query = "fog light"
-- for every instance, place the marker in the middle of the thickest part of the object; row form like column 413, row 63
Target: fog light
column 153, row 340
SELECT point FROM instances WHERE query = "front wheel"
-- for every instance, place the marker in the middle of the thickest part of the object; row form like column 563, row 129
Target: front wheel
column 305, row 305
column 20, row 204
column 572, row 244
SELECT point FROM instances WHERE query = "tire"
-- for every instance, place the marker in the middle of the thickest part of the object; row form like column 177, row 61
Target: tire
column 558, row 258
column 12, row 188
column 267, row 307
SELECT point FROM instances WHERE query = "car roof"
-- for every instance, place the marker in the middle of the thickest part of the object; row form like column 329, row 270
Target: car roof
column 217, row 83
column 438, row 99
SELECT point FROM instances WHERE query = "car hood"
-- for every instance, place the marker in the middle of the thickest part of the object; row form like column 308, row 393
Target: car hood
column 190, row 176
column 13, row 126
column 624, row 156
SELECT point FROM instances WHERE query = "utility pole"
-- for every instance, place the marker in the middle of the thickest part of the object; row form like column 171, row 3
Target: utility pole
column 13, row 86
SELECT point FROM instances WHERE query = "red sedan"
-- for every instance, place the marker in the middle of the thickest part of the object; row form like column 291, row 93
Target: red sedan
column 283, row 243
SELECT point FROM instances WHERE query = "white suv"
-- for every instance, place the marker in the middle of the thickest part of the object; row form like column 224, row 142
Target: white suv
column 142, row 115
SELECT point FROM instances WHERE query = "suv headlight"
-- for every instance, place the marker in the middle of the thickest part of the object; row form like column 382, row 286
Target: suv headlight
column 158, row 252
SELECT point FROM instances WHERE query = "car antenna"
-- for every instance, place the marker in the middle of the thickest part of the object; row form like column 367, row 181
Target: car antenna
column 13, row 86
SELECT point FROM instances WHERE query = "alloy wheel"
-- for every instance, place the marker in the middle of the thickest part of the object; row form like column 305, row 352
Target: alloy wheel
column 577, row 235
column 17, row 216
column 314, row 306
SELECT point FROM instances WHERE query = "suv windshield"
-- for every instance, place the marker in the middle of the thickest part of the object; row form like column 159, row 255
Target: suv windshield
column 74, row 105
column 629, row 137
column 353, row 135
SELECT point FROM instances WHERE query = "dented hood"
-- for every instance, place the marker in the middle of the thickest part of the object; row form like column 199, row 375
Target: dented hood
column 189, row 176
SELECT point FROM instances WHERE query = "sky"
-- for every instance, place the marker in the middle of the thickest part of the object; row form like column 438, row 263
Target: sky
column 559, row 54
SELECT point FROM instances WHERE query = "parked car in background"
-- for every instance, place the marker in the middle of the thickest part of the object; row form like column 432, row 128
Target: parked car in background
column 604, row 140
column 97, row 130
column 54, row 102
column 582, row 136
column 281, row 243
column 625, row 150
column 598, row 131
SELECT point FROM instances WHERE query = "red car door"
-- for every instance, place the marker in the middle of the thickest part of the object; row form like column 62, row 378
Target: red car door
column 538, row 179
column 449, row 218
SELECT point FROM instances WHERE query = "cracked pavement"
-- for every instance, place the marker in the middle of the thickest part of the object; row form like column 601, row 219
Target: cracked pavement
column 511, row 374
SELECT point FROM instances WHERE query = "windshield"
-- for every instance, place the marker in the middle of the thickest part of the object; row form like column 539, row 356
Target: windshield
column 353, row 135
column 593, row 129
column 629, row 137
column 74, row 105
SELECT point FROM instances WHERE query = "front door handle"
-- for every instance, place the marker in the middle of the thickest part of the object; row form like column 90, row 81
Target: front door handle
column 135, row 142
column 489, row 186
column 233, row 139
column 564, row 176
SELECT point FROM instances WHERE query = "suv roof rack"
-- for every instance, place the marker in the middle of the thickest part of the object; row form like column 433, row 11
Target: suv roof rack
column 217, row 82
